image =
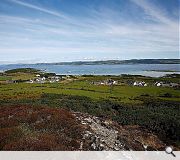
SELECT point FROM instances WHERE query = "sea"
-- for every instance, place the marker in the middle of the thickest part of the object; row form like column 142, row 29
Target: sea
column 152, row 70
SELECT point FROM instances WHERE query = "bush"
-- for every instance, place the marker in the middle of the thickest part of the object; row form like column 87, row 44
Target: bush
column 167, row 95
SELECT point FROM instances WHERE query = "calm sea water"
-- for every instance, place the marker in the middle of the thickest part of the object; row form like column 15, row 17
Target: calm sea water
column 135, row 69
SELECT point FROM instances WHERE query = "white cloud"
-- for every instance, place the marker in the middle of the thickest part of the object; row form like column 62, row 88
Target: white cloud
column 156, row 13
column 54, row 13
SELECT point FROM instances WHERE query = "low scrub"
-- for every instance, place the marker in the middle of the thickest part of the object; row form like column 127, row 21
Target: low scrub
column 38, row 128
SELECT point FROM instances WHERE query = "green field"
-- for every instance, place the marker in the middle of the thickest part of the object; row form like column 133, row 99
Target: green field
column 121, row 93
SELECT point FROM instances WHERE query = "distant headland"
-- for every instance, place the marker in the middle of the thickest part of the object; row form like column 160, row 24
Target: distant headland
column 115, row 62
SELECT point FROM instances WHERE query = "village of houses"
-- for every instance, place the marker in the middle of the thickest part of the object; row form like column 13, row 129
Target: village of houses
column 135, row 83
column 42, row 79
column 56, row 79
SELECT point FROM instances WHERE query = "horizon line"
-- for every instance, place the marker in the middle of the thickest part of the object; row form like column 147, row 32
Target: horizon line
column 103, row 60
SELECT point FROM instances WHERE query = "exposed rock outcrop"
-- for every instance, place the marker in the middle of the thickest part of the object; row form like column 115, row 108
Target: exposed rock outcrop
column 102, row 134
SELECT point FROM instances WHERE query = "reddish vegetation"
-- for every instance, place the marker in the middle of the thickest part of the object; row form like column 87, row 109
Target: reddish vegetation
column 38, row 128
column 35, row 128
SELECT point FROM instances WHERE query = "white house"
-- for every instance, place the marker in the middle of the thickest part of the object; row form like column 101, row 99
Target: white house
column 43, row 79
column 115, row 82
column 140, row 84
column 159, row 84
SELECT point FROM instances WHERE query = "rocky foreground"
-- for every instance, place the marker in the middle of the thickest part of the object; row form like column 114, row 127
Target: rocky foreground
column 102, row 134
column 44, row 128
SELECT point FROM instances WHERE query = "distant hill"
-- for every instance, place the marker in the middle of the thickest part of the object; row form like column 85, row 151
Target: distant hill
column 23, row 70
column 114, row 62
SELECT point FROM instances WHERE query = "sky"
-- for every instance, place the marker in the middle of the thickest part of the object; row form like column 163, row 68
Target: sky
column 33, row 31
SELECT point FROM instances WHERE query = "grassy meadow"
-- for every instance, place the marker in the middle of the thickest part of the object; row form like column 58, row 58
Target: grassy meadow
column 83, row 87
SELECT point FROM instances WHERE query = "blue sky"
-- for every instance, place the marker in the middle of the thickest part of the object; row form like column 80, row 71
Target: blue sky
column 34, row 31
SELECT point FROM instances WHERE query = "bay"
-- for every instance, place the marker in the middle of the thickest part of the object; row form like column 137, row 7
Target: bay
column 152, row 70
